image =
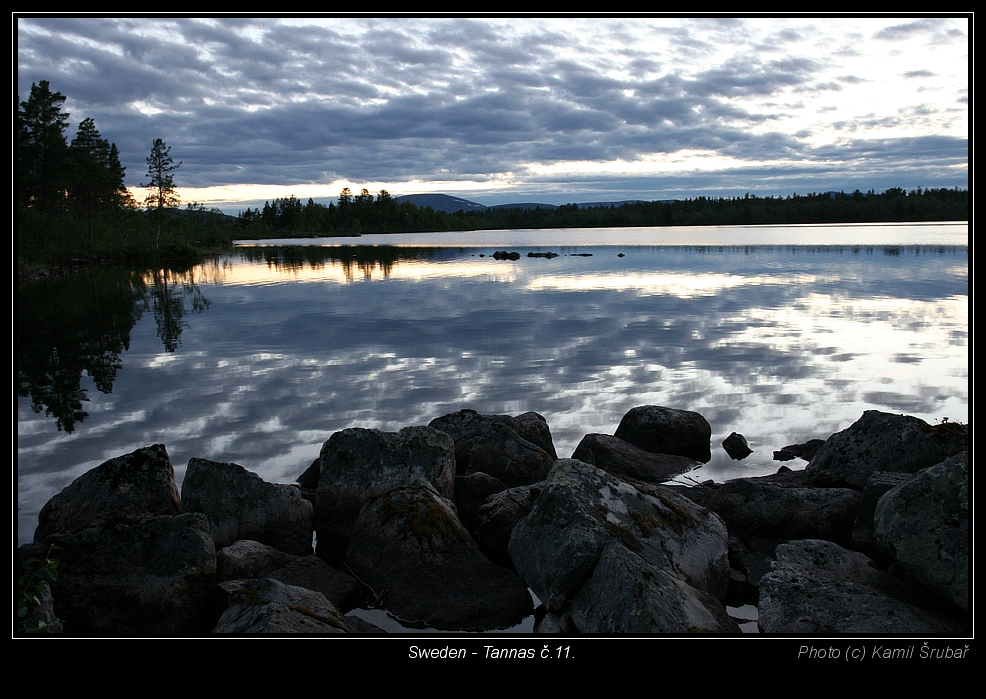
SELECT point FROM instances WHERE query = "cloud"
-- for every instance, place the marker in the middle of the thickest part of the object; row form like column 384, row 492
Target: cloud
column 310, row 100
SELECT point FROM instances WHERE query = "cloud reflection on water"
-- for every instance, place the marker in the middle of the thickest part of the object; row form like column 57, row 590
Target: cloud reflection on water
column 779, row 344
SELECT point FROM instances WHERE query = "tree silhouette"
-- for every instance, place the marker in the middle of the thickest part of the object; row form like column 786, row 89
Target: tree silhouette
column 163, row 194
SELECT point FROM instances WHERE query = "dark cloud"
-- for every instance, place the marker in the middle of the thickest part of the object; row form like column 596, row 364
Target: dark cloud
column 268, row 101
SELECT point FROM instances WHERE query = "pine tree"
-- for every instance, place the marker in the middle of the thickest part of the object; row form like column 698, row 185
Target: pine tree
column 163, row 194
column 96, row 183
column 42, row 150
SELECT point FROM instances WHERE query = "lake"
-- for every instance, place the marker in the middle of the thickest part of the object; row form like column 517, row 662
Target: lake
column 781, row 333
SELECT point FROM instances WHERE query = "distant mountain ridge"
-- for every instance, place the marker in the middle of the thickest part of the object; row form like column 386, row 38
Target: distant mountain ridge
column 451, row 205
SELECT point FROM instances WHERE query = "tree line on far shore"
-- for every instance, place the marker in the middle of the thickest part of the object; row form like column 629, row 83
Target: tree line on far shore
column 364, row 213
column 72, row 202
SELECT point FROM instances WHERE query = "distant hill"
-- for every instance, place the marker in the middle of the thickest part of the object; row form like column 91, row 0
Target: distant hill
column 450, row 204
column 441, row 202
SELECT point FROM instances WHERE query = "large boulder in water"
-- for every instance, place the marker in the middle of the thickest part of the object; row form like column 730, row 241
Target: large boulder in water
column 515, row 450
column 880, row 441
column 357, row 463
column 663, row 430
column 241, row 505
column 136, row 485
column 410, row 548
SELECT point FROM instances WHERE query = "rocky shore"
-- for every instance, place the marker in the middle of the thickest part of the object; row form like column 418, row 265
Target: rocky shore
column 453, row 526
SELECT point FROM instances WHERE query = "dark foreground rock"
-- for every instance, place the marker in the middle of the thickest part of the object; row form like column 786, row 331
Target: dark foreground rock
column 136, row 485
column 412, row 551
column 155, row 576
column 924, row 522
column 590, row 533
column 241, row 505
column 271, row 606
column 817, row 587
column 358, row 463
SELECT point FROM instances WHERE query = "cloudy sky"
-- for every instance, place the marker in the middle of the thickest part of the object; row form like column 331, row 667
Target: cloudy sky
column 516, row 109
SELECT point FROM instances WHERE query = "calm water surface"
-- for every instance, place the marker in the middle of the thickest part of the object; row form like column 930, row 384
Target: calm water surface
column 782, row 334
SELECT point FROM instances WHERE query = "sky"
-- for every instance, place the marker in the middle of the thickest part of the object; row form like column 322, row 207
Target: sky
column 515, row 109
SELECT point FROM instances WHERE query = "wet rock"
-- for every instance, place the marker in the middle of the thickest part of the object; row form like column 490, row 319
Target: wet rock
column 620, row 457
column 136, row 485
column 736, row 446
column 663, row 430
column 804, row 451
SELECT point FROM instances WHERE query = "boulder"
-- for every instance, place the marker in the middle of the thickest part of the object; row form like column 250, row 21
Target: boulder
column 817, row 587
column 663, row 430
column 862, row 529
column 625, row 594
column 339, row 588
column 804, row 451
column 137, row 577
column 880, row 441
column 924, row 522
column 736, row 446
column 271, row 606
column 358, row 463
column 471, row 492
column 516, row 450
column 410, row 548
column 617, row 456
column 497, row 518
column 557, row 547
column 241, row 505
column 245, row 559
column 766, row 508
column 137, row 485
